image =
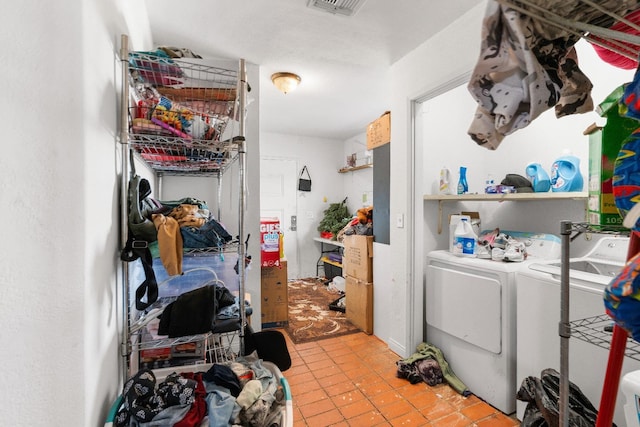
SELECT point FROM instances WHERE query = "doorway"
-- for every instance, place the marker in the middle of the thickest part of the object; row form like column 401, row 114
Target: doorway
column 278, row 198
column 418, row 237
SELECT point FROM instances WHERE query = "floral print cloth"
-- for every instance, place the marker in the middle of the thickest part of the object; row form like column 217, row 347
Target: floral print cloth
column 527, row 66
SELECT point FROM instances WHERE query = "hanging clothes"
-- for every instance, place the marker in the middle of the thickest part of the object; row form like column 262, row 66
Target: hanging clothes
column 521, row 73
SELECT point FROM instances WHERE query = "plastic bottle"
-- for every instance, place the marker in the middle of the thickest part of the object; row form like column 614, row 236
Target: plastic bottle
column 539, row 178
column 445, row 181
column 464, row 239
column 565, row 174
column 281, row 243
column 463, row 187
column 489, row 185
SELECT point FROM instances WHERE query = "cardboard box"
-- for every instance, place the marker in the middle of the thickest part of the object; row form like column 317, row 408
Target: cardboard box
column 379, row 131
column 359, row 303
column 357, row 257
column 175, row 355
column 190, row 349
column 274, row 301
column 270, row 242
column 604, row 145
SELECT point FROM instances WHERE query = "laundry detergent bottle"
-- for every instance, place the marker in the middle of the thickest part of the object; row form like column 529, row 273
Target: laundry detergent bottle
column 539, row 178
column 565, row 174
column 464, row 243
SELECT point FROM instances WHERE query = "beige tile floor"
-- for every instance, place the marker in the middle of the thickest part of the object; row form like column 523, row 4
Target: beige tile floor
column 351, row 381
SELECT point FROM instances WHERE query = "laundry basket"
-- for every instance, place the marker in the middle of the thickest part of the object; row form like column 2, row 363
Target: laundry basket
column 286, row 419
column 287, row 411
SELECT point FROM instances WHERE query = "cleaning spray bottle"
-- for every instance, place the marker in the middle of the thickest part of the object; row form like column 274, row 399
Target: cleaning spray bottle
column 463, row 187
column 464, row 239
column 565, row 174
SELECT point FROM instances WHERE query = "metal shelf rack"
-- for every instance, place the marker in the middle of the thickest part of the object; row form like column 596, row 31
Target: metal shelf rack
column 598, row 330
column 593, row 330
column 182, row 117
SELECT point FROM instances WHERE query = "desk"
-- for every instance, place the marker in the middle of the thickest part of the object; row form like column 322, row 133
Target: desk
column 332, row 246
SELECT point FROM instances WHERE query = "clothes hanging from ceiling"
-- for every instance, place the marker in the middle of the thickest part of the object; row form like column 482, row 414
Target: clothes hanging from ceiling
column 520, row 74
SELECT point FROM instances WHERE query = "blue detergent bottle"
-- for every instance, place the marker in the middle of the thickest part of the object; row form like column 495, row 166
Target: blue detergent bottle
column 539, row 178
column 565, row 174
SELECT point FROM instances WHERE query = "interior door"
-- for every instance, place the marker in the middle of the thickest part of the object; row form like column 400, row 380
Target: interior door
column 278, row 198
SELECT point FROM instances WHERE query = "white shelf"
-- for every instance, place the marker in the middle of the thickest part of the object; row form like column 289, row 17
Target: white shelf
column 444, row 198
column 507, row 196
column 329, row 242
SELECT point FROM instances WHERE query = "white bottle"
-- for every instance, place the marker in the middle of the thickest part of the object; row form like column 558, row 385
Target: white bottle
column 445, row 181
column 464, row 243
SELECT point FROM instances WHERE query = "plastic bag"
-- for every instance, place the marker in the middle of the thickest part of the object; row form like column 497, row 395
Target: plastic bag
column 542, row 396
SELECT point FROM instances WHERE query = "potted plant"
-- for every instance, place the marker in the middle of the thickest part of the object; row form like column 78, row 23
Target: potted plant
column 336, row 217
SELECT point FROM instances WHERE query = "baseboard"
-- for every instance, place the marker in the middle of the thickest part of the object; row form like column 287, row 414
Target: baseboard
column 396, row 347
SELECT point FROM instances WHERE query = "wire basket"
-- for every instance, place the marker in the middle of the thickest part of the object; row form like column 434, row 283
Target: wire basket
column 179, row 113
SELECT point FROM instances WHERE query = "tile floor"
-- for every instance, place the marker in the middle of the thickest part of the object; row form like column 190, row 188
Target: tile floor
column 351, row 381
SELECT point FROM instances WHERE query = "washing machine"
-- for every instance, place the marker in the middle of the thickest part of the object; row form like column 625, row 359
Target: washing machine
column 470, row 306
column 538, row 318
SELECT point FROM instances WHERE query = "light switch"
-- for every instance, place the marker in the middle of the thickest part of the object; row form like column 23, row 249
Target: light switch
column 400, row 220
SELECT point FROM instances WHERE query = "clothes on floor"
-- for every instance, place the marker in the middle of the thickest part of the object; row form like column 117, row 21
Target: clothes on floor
column 425, row 370
column 428, row 372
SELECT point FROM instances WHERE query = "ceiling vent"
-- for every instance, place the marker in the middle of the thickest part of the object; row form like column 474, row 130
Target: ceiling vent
column 339, row 7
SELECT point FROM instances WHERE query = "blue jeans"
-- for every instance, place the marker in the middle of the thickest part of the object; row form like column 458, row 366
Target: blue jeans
column 210, row 235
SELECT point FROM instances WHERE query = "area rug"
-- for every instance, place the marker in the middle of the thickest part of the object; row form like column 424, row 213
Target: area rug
column 310, row 318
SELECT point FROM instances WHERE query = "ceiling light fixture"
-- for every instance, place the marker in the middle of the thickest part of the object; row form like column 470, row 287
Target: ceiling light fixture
column 285, row 82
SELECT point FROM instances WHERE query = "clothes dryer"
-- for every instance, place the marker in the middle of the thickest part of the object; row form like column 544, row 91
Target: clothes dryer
column 538, row 318
column 470, row 308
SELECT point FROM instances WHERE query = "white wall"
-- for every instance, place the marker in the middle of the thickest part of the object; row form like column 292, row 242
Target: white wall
column 60, row 193
column 60, row 208
column 323, row 158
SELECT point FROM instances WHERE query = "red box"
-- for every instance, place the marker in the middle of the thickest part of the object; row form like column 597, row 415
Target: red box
column 269, row 242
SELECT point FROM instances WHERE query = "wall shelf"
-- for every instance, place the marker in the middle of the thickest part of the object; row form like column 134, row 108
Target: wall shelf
column 355, row 168
column 444, row 198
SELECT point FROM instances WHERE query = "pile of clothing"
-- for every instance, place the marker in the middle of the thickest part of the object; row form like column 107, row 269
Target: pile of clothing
column 499, row 246
column 428, row 365
column 184, row 224
column 361, row 224
column 239, row 393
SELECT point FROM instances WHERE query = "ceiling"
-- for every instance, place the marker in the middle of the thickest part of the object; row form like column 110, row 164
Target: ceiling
column 343, row 60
